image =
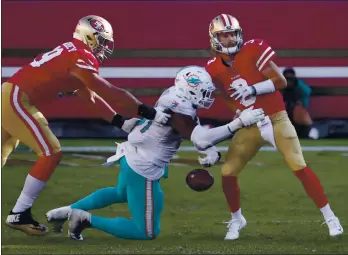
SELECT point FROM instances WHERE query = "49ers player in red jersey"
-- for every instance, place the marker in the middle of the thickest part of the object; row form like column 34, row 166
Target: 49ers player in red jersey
column 247, row 76
column 72, row 66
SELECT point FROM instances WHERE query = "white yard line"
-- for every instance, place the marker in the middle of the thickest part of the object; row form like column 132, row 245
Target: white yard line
column 193, row 149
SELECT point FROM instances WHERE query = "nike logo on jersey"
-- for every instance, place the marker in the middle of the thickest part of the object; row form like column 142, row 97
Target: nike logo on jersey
column 261, row 43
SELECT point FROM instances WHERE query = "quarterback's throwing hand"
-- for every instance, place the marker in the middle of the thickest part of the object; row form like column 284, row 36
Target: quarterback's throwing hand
column 249, row 116
column 242, row 92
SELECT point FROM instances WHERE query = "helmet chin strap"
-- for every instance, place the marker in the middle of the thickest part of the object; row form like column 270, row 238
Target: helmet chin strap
column 229, row 50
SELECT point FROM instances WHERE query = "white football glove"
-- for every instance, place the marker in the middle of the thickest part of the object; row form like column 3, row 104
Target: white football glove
column 249, row 116
column 242, row 92
column 161, row 118
column 212, row 156
column 128, row 125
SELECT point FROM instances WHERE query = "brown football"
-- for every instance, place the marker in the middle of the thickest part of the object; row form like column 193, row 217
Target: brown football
column 199, row 180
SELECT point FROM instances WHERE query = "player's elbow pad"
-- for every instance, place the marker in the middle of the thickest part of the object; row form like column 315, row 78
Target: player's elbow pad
column 203, row 138
column 199, row 138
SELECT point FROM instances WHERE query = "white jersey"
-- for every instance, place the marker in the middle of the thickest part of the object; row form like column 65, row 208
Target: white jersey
column 151, row 147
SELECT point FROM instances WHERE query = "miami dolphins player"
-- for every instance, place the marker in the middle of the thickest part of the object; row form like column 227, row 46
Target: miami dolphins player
column 146, row 154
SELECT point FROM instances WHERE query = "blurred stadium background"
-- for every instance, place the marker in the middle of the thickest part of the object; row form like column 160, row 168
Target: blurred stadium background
column 155, row 38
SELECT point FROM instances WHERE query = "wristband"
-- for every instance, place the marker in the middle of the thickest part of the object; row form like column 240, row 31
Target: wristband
column 264, row 87
column 118, row 120
column 146, row 112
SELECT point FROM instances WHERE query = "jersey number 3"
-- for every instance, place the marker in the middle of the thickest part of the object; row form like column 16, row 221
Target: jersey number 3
column 243, row 83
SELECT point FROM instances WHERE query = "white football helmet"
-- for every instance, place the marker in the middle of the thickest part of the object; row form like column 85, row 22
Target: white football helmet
column 195, row 84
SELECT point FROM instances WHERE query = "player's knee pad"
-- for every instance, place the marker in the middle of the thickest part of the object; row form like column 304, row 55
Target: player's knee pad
column 3, row 161
column 151, row 236
column 229, row 169
column 45, row 166
column 151, row 233
column 296, row 163
column 297, row 167
column 157, row 230
column 57, row 148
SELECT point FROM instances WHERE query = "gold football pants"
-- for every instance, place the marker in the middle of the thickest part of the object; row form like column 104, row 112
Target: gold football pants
column 248, row 141
column 23, row 122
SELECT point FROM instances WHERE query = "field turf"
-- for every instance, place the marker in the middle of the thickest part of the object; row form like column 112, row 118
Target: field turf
column 281, row 218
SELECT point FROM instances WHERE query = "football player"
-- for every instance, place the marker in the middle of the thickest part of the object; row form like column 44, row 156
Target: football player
column 144, row 156
column 72, row 66
column 247, row 76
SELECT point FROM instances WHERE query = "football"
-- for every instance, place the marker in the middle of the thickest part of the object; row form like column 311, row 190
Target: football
column 199, row 180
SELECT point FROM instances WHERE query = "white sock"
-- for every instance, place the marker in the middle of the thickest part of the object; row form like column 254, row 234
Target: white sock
column 237, row 214
column 327, row 212
column 31, row 190
column 24, row 202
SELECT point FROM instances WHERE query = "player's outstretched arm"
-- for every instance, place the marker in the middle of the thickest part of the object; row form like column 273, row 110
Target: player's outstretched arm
column 106, row 111
column 204, row 138
column 98, row 104
column 122, row 98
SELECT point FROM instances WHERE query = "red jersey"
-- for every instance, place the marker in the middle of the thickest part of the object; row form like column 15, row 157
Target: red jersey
column 49, row 73
column 246, row 70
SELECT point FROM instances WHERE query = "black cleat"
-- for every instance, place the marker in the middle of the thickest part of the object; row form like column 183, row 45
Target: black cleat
column 25, row 222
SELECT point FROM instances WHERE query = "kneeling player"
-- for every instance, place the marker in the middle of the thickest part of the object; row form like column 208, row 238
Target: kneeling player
column 145, row 155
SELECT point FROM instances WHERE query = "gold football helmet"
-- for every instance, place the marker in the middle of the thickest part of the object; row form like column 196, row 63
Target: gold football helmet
column 96, row 32
column 222, row 24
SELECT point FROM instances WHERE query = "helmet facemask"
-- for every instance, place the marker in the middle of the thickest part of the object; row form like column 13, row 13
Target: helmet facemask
column 203, row 99
column 225, row 23
column 103, row 49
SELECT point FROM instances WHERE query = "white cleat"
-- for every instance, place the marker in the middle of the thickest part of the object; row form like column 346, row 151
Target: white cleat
column 335, row 228
column 314, row 133
column 234, row 227
column 57, row 218
column 78, row 221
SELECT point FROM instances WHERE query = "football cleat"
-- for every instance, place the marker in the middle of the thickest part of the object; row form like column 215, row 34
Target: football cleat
column 25, row 222
column 234, row 227
column 57, row 218
column 335, row 228
column 78, row 221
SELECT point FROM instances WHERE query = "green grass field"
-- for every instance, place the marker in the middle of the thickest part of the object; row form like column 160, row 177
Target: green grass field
column 281, row 218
